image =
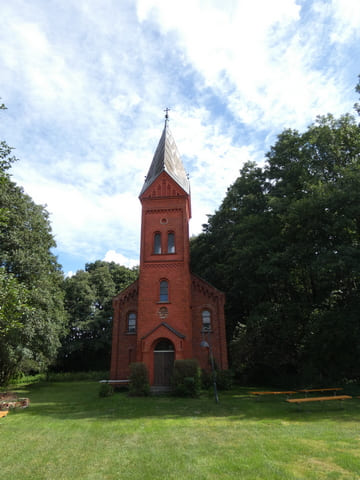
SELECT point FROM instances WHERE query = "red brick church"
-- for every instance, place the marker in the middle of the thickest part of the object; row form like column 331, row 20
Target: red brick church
column 167, row 312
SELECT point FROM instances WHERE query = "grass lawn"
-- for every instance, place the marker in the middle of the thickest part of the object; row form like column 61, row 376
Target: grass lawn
column 69, row 432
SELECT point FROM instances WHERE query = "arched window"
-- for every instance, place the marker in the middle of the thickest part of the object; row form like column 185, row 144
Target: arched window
column 164, row 291
column 157, row 243
column 206, row 321
column 171, row 242
column 131, row 322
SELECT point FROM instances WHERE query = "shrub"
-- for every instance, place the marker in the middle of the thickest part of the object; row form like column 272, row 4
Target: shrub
column 206, row 379
column 224, row 379
column 139, row 380
column 186, row 378
column 106, row 390
column 77, row 376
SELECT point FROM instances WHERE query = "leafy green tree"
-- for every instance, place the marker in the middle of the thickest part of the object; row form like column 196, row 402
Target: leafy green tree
column 14, row 310
column 88, row 301
column 284, row 246
column 13, row 303
column 32, row 312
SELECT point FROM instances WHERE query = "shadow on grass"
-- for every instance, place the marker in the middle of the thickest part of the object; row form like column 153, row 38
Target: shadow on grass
column 80, row 400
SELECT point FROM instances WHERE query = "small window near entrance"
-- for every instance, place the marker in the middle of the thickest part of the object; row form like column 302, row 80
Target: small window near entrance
column 157, row 243
column 171, row 242
column 206, row 321
column 131, row 324
column 164, row 291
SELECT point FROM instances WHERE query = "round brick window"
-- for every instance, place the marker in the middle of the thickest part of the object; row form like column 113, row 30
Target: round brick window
column 163, row 312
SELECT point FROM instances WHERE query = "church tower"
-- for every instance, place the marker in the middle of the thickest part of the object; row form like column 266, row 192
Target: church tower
column 167, row 312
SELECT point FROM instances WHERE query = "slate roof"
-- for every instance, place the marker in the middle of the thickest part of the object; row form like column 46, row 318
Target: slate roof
column 167, row 159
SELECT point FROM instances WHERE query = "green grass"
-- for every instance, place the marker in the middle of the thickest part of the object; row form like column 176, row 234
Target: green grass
column 69, row 432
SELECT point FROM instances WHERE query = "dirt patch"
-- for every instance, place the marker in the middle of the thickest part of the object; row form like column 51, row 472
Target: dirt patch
column 12, row 400
column 8, row 396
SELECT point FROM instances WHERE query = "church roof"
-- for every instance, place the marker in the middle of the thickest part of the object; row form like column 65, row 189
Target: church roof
column 167, row 159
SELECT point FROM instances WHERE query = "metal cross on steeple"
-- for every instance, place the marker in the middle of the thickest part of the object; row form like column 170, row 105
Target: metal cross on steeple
column 167, row 109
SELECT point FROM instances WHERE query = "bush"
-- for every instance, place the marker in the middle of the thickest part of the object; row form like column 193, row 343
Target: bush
column 206, row 379
column 186, row 378
column 224, row 379
column 77, row 376
column 139, row 380
column 106, row 390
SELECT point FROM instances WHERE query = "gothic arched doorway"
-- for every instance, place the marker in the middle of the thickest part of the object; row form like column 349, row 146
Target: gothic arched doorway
column 164, row 355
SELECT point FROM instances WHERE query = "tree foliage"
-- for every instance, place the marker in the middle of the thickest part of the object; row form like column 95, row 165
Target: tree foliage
column 88, row 301
column 32, row 316
column 14, row 298
column 284, row 246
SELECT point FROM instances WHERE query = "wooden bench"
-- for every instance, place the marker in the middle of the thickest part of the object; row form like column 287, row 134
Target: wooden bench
column 312, row 390
column 287, row 393
column 116, row 382
column 117, row 385
column 299, row 401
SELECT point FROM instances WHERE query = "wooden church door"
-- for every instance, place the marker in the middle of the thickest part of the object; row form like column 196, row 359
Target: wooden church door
column 164, row 355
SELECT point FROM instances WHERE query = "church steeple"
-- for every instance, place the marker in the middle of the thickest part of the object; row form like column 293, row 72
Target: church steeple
column 164, row 315
column 167, row 159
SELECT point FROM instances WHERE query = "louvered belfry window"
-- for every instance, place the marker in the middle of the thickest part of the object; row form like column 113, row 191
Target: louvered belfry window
column 206, row 321
column 157, row 243
column 131, row 322
column 171, row 242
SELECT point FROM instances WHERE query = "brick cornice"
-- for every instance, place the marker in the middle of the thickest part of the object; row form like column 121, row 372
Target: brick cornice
column 162, row 266
column 162, row 210
column 205, row 288
column 130, row 293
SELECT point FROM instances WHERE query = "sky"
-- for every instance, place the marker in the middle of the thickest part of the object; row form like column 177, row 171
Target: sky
column 86, row 83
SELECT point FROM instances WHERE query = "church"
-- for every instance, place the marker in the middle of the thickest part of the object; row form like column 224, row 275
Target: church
column 167, row 313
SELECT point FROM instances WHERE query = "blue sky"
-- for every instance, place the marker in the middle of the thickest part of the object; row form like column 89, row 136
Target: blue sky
column 86, row 83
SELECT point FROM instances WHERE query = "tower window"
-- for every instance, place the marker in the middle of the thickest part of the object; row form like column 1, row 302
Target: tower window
column 171, row 242
column 206, row 321
column 131, row 322
column 164, row 291
column 157, row 243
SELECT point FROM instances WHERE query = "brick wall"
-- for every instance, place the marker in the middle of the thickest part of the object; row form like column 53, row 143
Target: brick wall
column 166, row 209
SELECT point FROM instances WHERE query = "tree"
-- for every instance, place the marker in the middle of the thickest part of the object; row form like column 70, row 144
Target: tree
column 284, row 246
column 88, row 301
column 32, row 312
column 13, row 303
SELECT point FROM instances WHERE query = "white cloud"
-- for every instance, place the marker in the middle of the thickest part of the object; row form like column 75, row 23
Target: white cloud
column 41, row 68
column 86, row 221
column 212, row 159
column 86, row 83
column 113, row 256
column 124, row 102
column 346, row 18
column 258, row 55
